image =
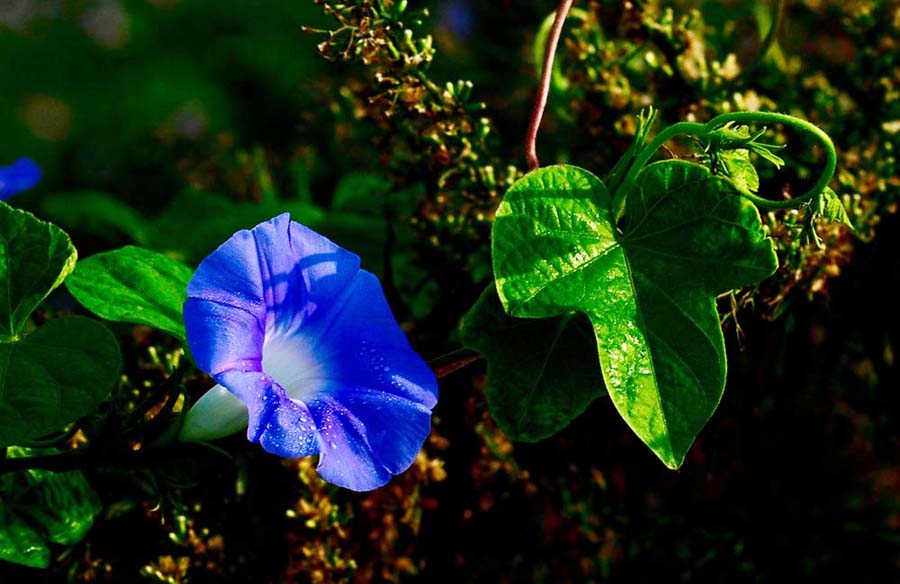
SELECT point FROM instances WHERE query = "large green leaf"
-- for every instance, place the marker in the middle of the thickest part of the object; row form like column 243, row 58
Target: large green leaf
column 132, row 284
column 542, row 373
column 35, row 257
column 648, row 288
column 39, row 506
column 54, row 376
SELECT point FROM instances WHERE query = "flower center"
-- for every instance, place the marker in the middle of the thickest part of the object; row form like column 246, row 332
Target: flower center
column 291, row 361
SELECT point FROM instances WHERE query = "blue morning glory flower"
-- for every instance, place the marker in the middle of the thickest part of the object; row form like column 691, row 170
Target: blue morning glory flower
column 286, row 321
column 20, row 176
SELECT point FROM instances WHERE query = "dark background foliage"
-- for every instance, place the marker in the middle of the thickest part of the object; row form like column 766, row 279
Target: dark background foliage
column 205, row 116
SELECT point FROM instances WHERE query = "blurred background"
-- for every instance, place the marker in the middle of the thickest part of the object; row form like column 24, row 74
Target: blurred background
column 173, row 123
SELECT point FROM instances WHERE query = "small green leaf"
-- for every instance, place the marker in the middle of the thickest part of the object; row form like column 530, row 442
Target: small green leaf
column 135, row 285
column 39, row 506
column 98, row 215
column 833, row 209
column 54, row 376
column 649, row 290
column 35, row 257
column 737, row 166
column 63, row 504
column 767, row 152
column 20, row 543
column 730, row 139
column 645, row 121
column 542, row 373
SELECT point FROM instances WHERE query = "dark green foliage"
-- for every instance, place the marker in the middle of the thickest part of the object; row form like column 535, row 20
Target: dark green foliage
column 542, row 373
column 35, row 257
column 54, row 376
column 40, row 507
column 63, row 370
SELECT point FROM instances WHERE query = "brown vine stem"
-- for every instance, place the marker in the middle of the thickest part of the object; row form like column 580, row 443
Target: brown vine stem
column 540, row 101
column 451, row 362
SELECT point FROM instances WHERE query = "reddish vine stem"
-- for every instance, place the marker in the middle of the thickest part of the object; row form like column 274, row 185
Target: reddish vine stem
column 446, row 364
column 540, row 100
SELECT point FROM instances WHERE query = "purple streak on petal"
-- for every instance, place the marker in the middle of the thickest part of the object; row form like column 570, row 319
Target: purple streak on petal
column 281, row 425
column 20, row 176
column 259, row 392
column 230, row 276
column 280, row 272
column 223, row 336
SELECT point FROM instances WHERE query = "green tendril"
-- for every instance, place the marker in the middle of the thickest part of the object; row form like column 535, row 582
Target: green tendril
column 641, row 160
column 802, row 125
column 701, row 131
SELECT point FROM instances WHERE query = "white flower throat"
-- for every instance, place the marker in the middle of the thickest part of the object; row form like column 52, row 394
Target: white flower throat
column 295, row 363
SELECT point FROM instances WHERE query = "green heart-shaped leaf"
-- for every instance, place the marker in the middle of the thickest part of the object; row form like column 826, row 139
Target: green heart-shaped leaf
column 54, row 376
column 542, row 373
column 40, row 506
column 648, row 289
column 35, row 257
column 135, row 285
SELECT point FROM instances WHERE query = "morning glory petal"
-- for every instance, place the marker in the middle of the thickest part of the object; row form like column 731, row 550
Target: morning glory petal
column 288, row 323
column 280, row 272
column 346, row 458
column 391, row 428
column 357, row 342
column 20, row 176
column 281, row 425
column 290, row 431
